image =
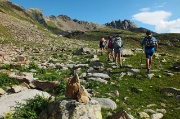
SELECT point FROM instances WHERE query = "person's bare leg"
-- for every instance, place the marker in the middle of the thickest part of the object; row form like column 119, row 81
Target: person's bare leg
column 116, row 58
column 120, row 60
column 108, row 53
column 150, row 62
column 147, row 63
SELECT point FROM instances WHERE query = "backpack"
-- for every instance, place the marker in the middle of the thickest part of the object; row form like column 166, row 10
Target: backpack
column 102, row 41
column 149, row 42
column 110, row 43
column 118, row 43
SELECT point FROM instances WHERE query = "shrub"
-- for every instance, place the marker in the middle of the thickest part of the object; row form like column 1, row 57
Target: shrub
column 31, row 109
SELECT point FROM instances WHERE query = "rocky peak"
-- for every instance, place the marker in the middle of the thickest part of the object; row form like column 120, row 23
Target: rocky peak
column 66, row 23
column 126, row 24
column 37, row 14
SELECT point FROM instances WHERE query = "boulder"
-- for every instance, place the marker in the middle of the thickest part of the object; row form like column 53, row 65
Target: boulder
column 71, row 109
column 127, row 52
column 44, row 85
column 106, row 103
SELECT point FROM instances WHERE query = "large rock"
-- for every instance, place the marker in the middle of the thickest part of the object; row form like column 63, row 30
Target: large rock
column 71, row 109
column 8, row 102
column 99, row 75
column 127, row 52
column 106, row 103
column 45, row 85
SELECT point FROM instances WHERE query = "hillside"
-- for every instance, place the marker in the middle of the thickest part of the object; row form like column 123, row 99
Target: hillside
column 33, row 58
column 19, row 27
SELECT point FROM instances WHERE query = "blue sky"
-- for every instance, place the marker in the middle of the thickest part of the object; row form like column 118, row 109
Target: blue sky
column 160, row 16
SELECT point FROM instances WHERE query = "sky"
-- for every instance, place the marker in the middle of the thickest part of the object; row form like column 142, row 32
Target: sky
column 161, row 16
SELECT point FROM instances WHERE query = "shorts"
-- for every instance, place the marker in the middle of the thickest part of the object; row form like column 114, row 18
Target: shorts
column 110, row 50
column 118, row 51
column 149, row 55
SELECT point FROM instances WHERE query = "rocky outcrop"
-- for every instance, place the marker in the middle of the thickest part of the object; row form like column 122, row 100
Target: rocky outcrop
column 66, row 23
column 126, row 24
column 71, row 109
column 37, row 14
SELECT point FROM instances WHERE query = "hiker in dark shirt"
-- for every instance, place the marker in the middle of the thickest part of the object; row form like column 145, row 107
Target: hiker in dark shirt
column 109, row 47
column 102, row 45
column 151, row 45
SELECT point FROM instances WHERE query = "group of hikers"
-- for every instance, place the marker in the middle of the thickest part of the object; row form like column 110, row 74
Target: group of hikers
column 114, row 46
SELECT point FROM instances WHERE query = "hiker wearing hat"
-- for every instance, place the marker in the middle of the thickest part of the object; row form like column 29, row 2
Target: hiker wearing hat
column 118, row 45
column 151, row 45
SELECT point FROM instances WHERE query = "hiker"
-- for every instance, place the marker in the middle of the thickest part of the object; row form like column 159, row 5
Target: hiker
column 102, row 45
column 109, row 47
column 118, row 44
column 151, row 45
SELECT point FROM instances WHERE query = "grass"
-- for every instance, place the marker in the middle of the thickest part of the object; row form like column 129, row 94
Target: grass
column 142, row 91
column 6, row 81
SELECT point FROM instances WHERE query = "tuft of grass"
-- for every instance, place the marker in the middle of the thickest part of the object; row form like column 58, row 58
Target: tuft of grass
column 5, row 81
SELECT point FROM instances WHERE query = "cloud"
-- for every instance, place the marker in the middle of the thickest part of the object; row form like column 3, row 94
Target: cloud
column 162, row 5
column 159, row 19
column 144, row 9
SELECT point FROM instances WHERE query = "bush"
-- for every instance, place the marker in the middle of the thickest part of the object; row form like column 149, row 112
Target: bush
column 31, row 109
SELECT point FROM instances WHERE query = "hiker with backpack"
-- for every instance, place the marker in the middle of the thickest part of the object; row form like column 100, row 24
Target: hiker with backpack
column 151, row 45
column 109, row 47
column 118, row 45
column 102, row 45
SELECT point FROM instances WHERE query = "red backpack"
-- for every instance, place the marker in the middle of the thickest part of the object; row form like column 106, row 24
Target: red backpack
column 110, row 43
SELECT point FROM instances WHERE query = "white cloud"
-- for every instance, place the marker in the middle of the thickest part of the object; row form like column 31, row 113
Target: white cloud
column 162, row 5
column 144, row 9
column 159, row 20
